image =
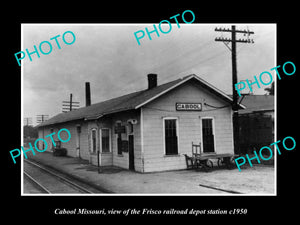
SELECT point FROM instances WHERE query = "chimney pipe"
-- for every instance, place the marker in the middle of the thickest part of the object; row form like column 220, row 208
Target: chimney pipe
column 87, row 94
column 152, row 80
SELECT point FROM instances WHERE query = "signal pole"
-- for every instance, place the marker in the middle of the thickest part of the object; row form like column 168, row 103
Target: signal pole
column 235, row 107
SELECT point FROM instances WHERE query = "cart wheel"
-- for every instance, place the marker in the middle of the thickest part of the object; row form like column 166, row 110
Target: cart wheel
column 232, row 160
column 209, row 163
column 220, row 162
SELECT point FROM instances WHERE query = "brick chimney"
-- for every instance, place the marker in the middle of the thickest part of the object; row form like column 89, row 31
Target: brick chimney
column 152, row 80
column 87, row 94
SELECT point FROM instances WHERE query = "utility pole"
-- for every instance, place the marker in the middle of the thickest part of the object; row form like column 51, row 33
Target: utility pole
column 235, row 107
column 41, row 119
column 70, row 104
column 27, row 121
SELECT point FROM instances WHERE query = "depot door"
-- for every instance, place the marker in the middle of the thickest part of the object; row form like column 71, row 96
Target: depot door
column 208, row 139
column 78, row 128
column 131, row 152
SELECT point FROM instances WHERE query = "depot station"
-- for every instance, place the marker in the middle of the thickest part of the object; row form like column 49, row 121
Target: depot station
column 149, row 130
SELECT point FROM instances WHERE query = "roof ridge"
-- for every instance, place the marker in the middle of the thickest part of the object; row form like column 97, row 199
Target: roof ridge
column 110, row 99
column 144, row 90
column 129, row 101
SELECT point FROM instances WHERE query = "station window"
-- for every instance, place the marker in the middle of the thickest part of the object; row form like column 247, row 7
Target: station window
column 93, row 140
column 171, row 139
column 105, row 140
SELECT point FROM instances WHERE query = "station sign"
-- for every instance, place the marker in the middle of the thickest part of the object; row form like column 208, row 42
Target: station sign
column 188, row 106
column 120, row 129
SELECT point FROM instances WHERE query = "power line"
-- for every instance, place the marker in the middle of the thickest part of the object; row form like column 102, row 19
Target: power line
column 163, row 66
column 175, row 59
column 185, row 45
column 217, row 107
column 196, row 63
column 170, row 63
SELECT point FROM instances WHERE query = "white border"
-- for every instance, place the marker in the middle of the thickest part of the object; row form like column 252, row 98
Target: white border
column 22, row 116
column 275, row 111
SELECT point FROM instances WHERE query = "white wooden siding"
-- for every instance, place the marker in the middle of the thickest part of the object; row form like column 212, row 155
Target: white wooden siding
column 188, row 126
column 123, row 160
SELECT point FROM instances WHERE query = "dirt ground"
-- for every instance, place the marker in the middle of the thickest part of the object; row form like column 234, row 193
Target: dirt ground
column 259, row 179
column 256, row 180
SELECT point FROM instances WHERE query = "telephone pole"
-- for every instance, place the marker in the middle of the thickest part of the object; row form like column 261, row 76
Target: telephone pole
column 27, row 121
column 69, row 104
column 41, row 118
column 235, row 107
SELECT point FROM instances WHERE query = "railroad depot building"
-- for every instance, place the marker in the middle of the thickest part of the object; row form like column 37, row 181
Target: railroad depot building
column 149, row 130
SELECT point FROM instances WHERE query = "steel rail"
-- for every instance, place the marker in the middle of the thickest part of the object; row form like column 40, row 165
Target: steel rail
column 37, row 183
column 63, row 179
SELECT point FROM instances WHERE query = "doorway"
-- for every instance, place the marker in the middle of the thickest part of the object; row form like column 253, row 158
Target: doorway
column 78, row 129
column 131, row 151
column 208, row 139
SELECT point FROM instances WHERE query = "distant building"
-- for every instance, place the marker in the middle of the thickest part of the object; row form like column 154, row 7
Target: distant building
column 149, row 130
column 256, row 122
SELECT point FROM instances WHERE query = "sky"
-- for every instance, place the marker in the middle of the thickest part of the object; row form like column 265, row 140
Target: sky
column 109, row 57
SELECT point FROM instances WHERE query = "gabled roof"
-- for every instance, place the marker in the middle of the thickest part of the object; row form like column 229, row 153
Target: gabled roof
column 257, row 103
column 130, row 101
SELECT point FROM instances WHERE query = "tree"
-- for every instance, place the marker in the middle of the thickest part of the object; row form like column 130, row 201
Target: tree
column 30, row 131
column 270, row 90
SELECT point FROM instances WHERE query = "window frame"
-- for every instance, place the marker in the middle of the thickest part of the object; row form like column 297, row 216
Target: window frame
column 213, row 132
column 109, row 139
column 164, row 135
column 91, row 140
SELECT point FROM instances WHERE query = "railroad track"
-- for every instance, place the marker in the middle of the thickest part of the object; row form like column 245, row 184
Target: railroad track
column 50, row 182
column 37, row 185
